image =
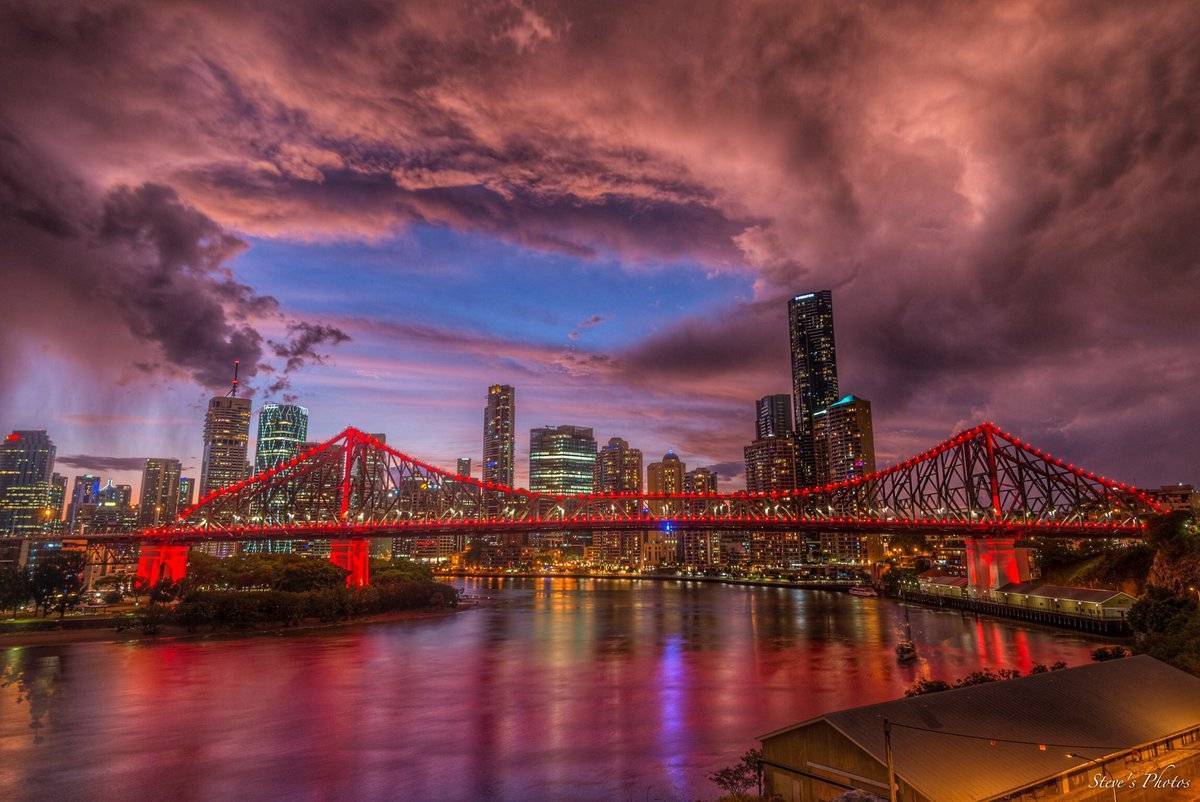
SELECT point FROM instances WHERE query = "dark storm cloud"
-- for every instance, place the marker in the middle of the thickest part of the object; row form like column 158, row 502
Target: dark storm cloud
column 1003, row 197
column 306, row 338
column 88, row 462
column 136, row 264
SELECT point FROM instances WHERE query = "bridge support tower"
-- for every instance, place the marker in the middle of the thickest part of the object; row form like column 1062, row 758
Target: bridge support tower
column 993, row 562
column 158, row 561
column 354, row 555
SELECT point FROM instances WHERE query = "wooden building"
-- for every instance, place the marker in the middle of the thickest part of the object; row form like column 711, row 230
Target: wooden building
column 1047, row 736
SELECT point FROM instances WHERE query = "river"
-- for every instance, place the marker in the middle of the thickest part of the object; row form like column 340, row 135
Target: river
column 558, row 689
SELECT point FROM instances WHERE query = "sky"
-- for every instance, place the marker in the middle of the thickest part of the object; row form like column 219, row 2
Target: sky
column 381, row 209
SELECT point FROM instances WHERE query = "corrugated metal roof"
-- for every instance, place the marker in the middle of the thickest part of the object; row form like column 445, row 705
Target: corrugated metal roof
column 1098, row 595
column 949, row 581
column 1117, row 703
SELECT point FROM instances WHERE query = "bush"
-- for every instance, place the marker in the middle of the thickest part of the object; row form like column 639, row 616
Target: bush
column 1110, row 653
column 231, row 609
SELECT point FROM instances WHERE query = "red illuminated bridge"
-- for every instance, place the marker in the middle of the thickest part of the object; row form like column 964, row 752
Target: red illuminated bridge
column 984, row 485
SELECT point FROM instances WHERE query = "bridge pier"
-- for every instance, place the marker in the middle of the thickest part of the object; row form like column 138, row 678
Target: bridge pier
column 354, row 555
column 157, row 561
column 993, row 562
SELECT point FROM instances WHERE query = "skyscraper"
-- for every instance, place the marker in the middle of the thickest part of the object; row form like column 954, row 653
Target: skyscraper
column 845, row 439
column 700, row 480
column 499, row 433
column 770, row 464
column 464, row 466
column 773, row 416
column 814, row 371
column 187, row 492
column 618, row 468
column 226, row 436
column 26, row 465
column 158, row 504
column 666, row 475
column 85, row 494
column 282, row 428
column 58, row 500
column 562, row 459
column 112, row 512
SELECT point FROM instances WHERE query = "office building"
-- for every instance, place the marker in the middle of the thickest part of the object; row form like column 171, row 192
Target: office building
column 618, row 468
column 814, row 371
column 700, row 480
column 26, row 465
column 666, row 475
column 1177, row 498
column 58, row 501
column 773, row 416
column 771, row 464
column 844, row 439
column 282, row 428
column 226, row 437
column 499, row 443
column 499, row 434
column 698, row 549
column 562, row 459
column 112, row 512
column 464, row 466
column 187, row 492
column 158, row 504
column 85, row 494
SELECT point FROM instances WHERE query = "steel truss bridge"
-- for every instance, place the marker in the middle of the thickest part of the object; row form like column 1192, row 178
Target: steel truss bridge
column 983, row 484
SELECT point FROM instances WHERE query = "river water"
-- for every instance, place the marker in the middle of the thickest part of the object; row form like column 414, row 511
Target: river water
column 559, row 689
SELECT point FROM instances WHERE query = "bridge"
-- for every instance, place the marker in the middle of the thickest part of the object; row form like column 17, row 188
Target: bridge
column 984, row 484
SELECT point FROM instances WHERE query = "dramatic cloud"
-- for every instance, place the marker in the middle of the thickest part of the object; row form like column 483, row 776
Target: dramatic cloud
column 87, row 462
column 1003, row 197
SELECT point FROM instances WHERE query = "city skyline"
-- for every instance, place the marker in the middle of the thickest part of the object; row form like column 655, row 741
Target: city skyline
column 383, row 275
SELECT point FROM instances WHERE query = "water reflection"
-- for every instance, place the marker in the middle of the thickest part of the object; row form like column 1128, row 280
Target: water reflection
column 564, row 689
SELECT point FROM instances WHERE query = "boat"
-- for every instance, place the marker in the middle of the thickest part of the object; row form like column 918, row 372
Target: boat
column 906, row 650
column 863, row 590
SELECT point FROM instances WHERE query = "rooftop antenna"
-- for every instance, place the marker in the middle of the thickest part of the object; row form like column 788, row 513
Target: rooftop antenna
column 234, row 383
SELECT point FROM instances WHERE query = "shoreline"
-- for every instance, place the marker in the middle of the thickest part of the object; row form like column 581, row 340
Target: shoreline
column 133, row 635
column 842, row 585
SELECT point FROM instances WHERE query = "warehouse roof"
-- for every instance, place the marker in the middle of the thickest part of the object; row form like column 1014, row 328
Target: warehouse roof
column 1098, row 595
column 1078, row 714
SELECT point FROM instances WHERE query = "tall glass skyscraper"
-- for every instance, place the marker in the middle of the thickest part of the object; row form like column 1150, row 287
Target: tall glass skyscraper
column 282, row 429
column 845, row 439
column 226, row 438
column 499, row 433
column 158, row 503
column 814, row 372
column 26, row 464
column 773, row 416
column 562, row 459
column 187, row 492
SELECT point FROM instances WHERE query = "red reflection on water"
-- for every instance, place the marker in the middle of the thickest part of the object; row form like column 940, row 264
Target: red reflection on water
column 569, row 689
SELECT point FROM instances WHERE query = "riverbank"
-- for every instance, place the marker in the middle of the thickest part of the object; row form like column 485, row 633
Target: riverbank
column 1108, row 627
column 109, row 633
column 758, row 583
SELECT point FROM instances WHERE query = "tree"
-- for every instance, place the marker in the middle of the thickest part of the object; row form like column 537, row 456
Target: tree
column 305, row 575
column 383, row 571
column 58, row 578
column 741, row 776
column 15, row 588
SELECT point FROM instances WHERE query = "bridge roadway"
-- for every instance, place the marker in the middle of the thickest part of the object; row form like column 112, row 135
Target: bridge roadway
column 475, row 527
